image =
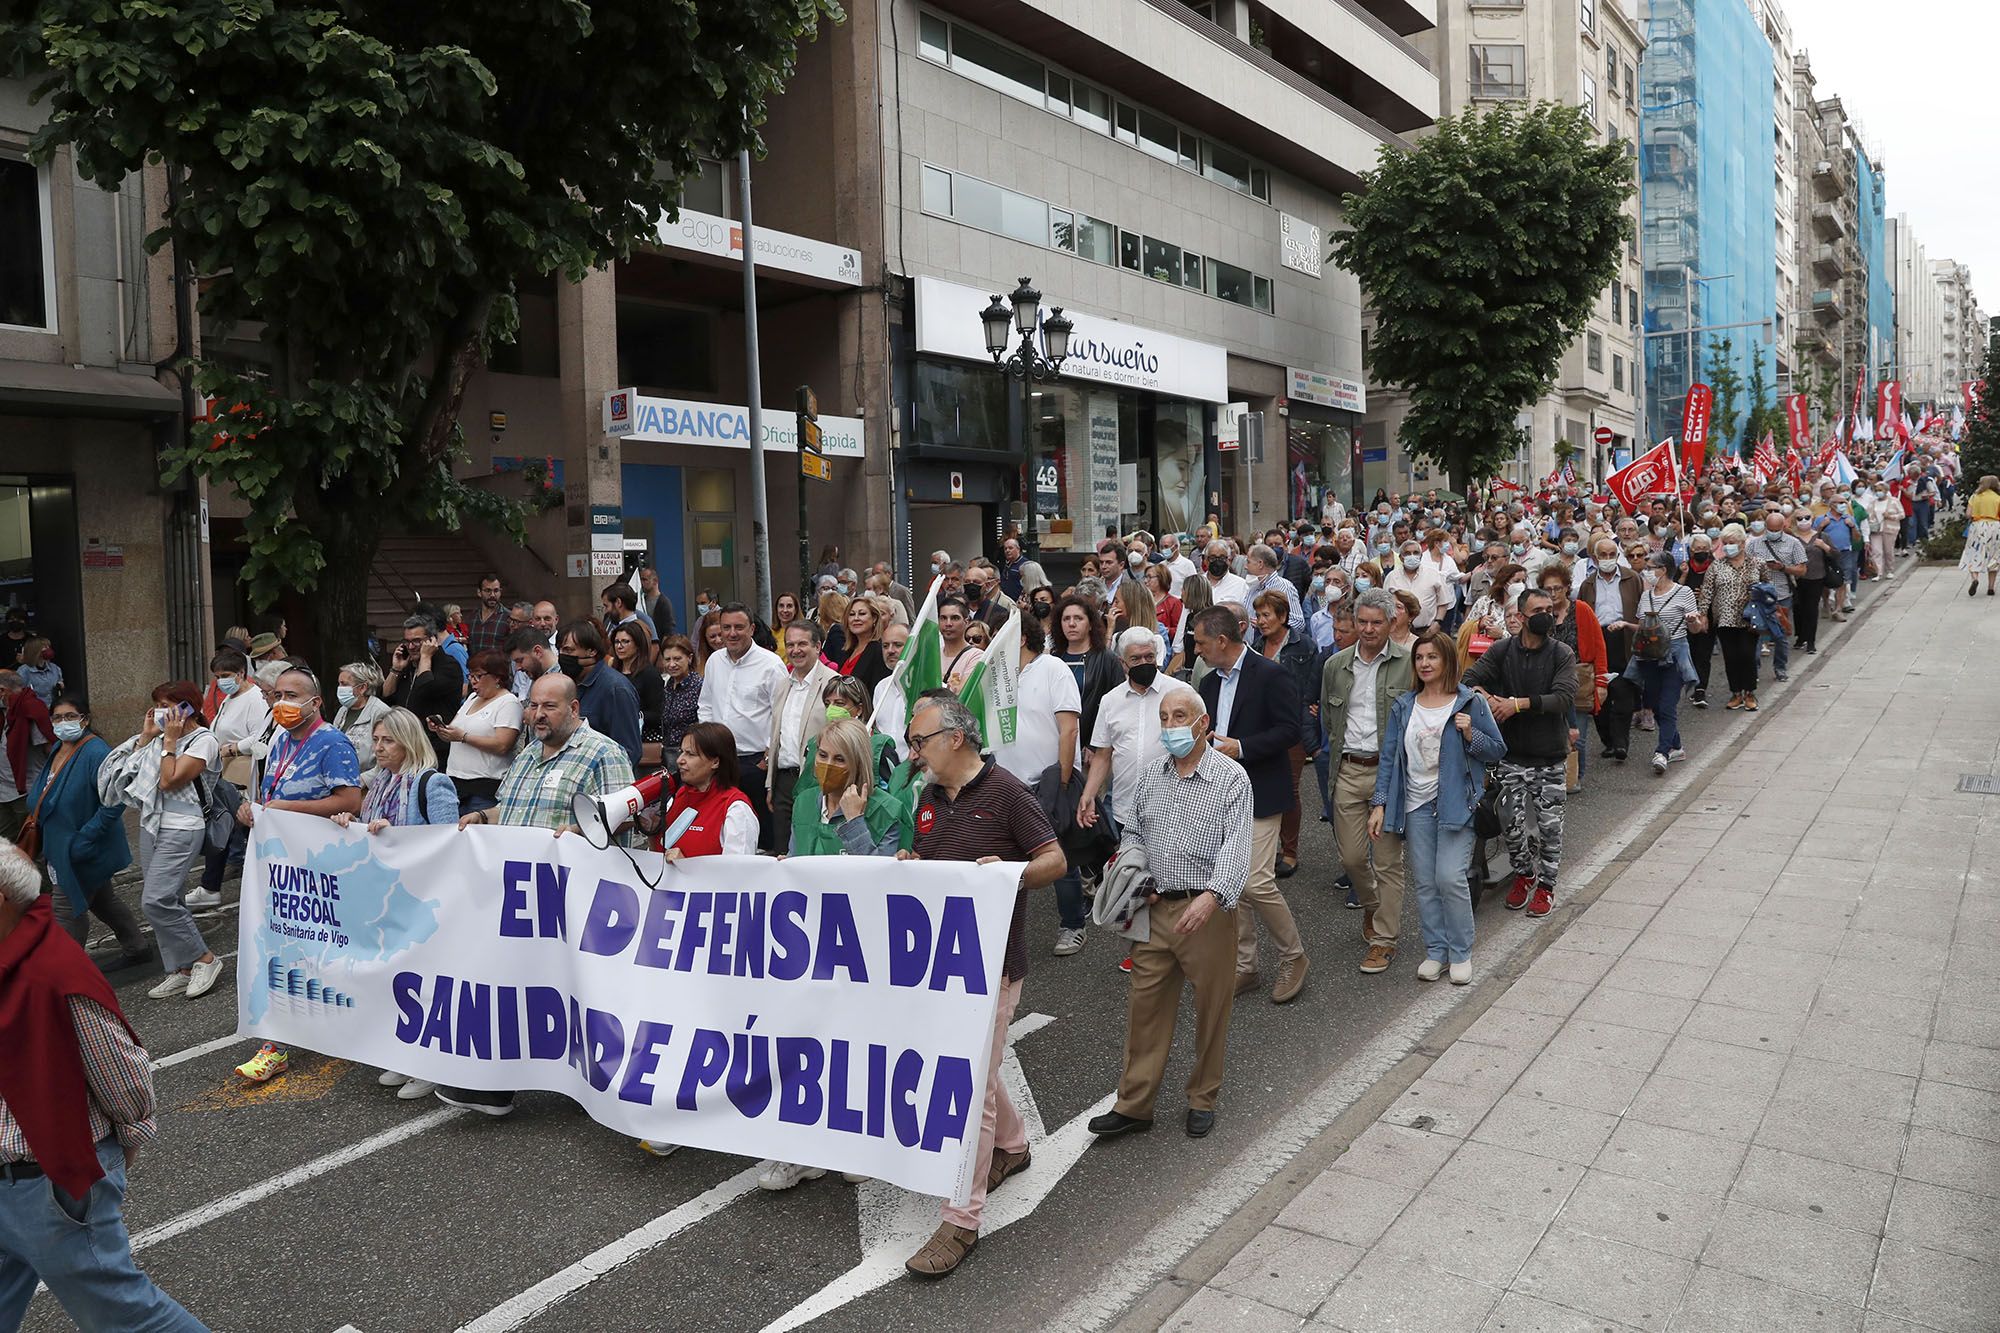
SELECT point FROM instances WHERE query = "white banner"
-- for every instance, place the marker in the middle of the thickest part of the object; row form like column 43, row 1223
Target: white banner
column 833, row 1011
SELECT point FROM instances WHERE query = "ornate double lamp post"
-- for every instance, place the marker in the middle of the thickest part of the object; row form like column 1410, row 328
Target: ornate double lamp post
column 1028, row 365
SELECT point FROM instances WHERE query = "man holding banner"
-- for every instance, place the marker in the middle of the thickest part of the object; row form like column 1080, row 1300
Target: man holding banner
column 974, row 810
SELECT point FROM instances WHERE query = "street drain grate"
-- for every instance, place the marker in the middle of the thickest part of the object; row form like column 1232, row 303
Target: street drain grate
column 1979, row 784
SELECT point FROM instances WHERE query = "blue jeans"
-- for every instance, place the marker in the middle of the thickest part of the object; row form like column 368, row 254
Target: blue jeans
column 1661, row 684
column 1437, row 858
column 1781, row 642
column 87, row 1263
column 1850, row 569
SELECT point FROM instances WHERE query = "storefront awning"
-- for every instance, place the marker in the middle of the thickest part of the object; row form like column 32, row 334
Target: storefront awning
column 630, row 415
column 36, row 388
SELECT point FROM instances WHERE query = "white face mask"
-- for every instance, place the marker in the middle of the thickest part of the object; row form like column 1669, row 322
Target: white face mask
column 1730, row 550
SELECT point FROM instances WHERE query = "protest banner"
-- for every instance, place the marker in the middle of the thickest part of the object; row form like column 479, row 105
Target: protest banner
column 833, row 1011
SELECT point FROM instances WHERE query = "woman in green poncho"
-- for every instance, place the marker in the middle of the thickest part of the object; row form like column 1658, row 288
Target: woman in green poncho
column 846, row 697
column 850, row 811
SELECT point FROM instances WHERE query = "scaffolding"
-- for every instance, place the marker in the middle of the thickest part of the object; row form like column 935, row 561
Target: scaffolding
column 1707, row 196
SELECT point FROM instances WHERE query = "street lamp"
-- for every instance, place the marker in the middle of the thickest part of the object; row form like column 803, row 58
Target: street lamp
column 1027, row 365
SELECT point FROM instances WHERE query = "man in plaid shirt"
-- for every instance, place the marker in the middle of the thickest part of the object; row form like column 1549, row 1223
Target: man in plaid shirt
column 76, row 1103
column 536, row 793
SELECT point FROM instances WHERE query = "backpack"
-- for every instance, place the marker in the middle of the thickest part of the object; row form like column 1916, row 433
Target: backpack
column 219, row 799
column 1650, row 643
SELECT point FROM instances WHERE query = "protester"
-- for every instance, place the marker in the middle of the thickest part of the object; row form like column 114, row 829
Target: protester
column 80, row 838
column 605, row 698
column 632, row 657
column 680, row 706
column 1192, row 819
column 1358, row 688
column 1982, row 536
column 797, row 716
column 38, row 668
column 1290, row 649
column 1666, row 609
column 488, row 633
column 358, row 690
column 28, row 735
column 1725, row 594
column 658, row 607
column 1046, row 745
column 1436, row 745
column 72, row 1123
column 424, row 678
column 482, row 736
column 861, row 650
column 739, row 687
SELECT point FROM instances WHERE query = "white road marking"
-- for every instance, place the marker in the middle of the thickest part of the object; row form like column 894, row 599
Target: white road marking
column 544, row 1294
column 195, row 1052
column 298, row 1175
column 894, row 1223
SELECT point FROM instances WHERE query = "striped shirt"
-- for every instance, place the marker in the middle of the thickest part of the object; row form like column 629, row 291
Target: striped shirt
column 1195, row 829
column 1673, row 609
column 118, row 1074
column 537, row 790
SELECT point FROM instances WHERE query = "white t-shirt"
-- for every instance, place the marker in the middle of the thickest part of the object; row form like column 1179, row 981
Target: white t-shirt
column 1423, row 741
column 181, row 808
column 500, row 713
column 1047, row 688
column 1128, row 725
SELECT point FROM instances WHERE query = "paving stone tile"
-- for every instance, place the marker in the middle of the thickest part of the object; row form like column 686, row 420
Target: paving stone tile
column 1673, row 946
column 1512, row 1181
column 1654, row 976
column 1724, row 1063
column 1973, row 1112
column 1567, row 1081
column 1869, row 976
column 1968, row 1025
column 1777, row 932
column 1539, row 995
column 1752, row 1029
column 1793, row 1252
column 1749, row 990
column 1719, row 1301
column 1700, row 1163
column 1212, row 1309
column 1684, row 917
column 1956, row 1221
column 1814, row 1189
column 1396, row 1155
column 1390, row 1292
column 1471, row 1064
column 1603, row 1277
column 1953, row 1160
column 1866, row 1091
column 1904, row 1015
column 1872, row 1322
column 1890, row 1052
column 1518, row 1312
column 1967, row 1066
column 1469, row 1239
column 1705, row 1108
column 1635, row 1009
column 1598, row 939
column 1801, row 967
column 1900, row 950
column 1641, row 1212
column 1782, row 904
column 1288, row 1270
column 1610, row 1044
column 1513, row 1029
column 1832, row 1133
column 1442, row 1108
column 1351, row 1209
column 1617, row 915
column 1560, row 964
column 1568, row 1133
column 1942, row 1291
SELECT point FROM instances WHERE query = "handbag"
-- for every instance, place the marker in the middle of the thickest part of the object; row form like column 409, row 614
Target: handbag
column 29, row 839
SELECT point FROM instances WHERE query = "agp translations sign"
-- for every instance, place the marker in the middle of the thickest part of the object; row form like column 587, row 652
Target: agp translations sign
column 836, row 1011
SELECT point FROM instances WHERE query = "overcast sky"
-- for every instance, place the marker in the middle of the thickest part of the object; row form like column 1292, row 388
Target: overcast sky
column 1916, row 74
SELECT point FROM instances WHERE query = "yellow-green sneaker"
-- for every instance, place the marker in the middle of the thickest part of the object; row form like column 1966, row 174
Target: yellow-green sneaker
column 267, row 1064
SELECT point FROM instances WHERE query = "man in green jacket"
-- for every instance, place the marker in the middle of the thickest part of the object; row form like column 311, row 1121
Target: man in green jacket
column 1356, row 688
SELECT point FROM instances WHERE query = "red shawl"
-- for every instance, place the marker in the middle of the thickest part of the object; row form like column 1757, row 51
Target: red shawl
column 25, row 716
column 42, row 1079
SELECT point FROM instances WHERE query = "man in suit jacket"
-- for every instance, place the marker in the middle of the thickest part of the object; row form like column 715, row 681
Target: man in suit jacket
column 1358, row 685
column 797, row 718
column 1254, row 707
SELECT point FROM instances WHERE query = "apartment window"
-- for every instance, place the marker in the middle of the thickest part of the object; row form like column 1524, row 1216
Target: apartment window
column 1096, row 240
column 1230, row 283
column 1617, row 371
column 1617, row 304
column 1128, row 124
column 1500, row 72
column 1058, row 93
column 1225, row 167
column 1593, row 350
column 1191, row 270
column 934, row 38
column 981, row 204
column 1159, row 137
column 1632, row 306
column 666, row 348
column 1610, row 65
column 707, row 191
column 1092, row 107
column 1261, row 292
column 1631, row 85
column 986, row 61
column 27, row 248
column 1590, row 98
column 1588, row 10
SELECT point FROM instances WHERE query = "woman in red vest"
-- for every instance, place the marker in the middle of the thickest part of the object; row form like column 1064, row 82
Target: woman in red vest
column 724, row 822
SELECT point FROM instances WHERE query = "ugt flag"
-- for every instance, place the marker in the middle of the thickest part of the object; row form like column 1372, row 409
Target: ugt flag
column 1651, row 473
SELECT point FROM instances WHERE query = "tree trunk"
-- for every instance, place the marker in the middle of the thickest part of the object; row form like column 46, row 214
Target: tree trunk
column 339, row 614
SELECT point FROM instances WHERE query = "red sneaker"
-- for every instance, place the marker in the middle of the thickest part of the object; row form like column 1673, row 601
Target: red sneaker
column 1545, row 901
column 1126, row 965
column 1517, row 897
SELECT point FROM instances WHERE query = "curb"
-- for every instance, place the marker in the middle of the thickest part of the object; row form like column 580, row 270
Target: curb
column 1157, row 1306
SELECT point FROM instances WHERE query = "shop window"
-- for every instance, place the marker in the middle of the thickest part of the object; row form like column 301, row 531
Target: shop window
column 1500, row 72
column 26, row 247
column 959, row 407
column 668, row 348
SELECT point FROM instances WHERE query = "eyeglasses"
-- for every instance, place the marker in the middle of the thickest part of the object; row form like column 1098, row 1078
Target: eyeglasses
column 916, row 740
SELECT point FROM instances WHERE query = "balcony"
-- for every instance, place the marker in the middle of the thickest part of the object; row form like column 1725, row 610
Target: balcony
column 1826, row 262
column 1826, row 306
column 1162, row 53
column 1832, row 176
column 1827, row 218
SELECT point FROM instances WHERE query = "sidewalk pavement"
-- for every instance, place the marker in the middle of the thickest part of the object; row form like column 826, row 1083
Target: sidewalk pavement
column 1754, row 1085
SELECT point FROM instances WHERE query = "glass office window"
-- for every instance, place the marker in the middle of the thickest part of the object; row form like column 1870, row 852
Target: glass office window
column 933, row 38
column 937, row 191
column 1096, row 239
column 986, row 61
column 1129, row 244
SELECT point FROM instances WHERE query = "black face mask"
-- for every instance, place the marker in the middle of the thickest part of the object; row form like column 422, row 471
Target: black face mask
column 1143, row 675
column 1043, row 609
column 1217, row 567
column 571, row 664
column 975, row 593
column 1540, row 623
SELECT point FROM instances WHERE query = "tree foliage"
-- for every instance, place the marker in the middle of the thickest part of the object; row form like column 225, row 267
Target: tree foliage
column 1482, row 249
column 1979, row 451
column 365, row 181
column 1764, row 415
column 1727, row 383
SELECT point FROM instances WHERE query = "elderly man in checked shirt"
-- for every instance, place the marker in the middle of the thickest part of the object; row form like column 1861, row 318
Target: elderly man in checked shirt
column 1193, row 818
column 76, row 1104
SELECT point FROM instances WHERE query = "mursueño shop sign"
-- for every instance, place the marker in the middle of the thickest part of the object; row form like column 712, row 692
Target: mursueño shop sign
column 1107, row 351
column 629, row 416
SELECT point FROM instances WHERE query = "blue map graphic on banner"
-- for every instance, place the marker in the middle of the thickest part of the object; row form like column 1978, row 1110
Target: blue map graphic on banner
column 378, row 917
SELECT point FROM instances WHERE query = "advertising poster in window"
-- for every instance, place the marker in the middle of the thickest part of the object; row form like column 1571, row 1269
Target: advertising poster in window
column 1103, row 464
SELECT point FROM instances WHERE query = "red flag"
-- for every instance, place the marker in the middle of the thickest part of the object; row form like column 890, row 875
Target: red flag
column 1795, row 469
column 1854, row 420
column 1694, row 427
column 1971, row 390
column 1651, row 473
column 1798, row 416
column 1503, row 484
column 1766, row 457
column 1826, row 453
column 1889, row 407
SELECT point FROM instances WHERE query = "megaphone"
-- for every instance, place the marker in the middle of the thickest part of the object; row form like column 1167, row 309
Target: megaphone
column 598, row 817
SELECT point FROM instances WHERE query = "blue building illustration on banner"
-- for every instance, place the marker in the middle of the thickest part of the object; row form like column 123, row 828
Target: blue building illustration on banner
column 370, row 917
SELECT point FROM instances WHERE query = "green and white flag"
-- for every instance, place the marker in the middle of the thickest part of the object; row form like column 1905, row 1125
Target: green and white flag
column 993, row 690
column 921, row 667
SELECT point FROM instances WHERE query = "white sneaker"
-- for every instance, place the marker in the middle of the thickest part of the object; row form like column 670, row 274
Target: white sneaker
column 658, row 1147
column 196, row 900
column 389, row 1078
column 1676, row 755
column 1659, row 762
column 1429, row 970
column 202, row 977
column 1461, row 973
column 1069, row 941
column 174, row 983
column 416, row 1088
column 784, row 1175
column 855, row 1178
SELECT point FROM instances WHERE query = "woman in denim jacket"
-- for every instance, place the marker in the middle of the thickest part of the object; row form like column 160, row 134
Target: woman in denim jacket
column 1426, row 788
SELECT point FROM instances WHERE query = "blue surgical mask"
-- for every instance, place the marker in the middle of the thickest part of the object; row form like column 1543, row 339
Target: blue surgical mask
column 1714, row 533
column 1756, row 526
column 1318, row 583
column 1570, row 548
column 1412, row 561
column 228, row 685
column 69, row 730
column 1383, row 548
column 345, row 694
column 1179, row 741
column 1362, row 583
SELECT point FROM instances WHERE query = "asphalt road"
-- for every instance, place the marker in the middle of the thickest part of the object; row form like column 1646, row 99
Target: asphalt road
column 321, row 1202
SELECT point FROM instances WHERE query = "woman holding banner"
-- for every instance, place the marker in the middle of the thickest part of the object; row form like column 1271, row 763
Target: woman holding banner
column 724, row 823
column 403, row 788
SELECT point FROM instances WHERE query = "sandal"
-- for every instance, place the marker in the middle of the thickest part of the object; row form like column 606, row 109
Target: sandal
column 943, row 1252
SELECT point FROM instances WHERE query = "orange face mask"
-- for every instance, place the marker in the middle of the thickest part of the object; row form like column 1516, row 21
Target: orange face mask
column 832, row 777
column 287, row 714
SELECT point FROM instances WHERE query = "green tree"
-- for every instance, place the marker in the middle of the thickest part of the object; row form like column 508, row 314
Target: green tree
column 1483, row 248
column 367, row 181
column 1979, row 451
column 1763, row 415
column 1727, row 383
